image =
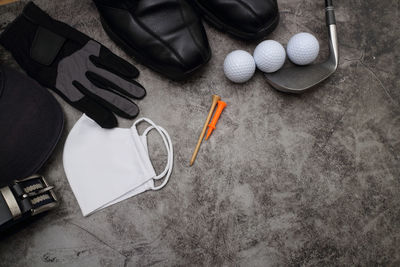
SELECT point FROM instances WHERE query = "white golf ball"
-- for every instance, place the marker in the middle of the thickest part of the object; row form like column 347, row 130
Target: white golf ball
column 239, row 66
column 303, row 48
column 269, row 56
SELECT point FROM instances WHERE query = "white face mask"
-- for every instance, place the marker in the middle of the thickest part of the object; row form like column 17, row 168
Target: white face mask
column 106, row 166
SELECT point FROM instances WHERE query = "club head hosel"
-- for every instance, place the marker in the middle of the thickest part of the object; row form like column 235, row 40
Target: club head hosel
column 333, row 45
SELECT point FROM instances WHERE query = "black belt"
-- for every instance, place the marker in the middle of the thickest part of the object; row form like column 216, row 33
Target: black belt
column 25, row 198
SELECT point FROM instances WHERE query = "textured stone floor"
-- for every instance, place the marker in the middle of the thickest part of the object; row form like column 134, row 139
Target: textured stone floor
column 309, row 180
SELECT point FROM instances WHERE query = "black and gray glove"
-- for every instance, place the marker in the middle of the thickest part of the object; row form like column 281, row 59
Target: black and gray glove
column 85, row 73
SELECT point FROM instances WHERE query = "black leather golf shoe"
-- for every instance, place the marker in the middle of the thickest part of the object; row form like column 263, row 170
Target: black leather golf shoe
column 165, row 35
column 245, row 19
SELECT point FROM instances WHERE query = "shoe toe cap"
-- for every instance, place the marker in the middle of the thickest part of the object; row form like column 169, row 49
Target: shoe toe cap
column 243, row 18
column 191, row 50
column 252, row 15
column 165, row 35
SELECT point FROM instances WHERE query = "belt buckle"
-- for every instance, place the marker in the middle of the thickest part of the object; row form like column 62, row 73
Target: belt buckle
column 38, row 192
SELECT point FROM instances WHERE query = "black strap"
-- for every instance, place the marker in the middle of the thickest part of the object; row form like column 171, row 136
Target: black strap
column 5, row 213
column 23, row 199
column 2, row 81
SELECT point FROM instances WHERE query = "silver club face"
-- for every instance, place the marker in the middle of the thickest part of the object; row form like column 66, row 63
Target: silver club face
column 298, row 79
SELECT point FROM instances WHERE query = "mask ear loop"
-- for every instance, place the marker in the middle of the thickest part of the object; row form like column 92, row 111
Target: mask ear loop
column 169, row 163
column 162, row 174
column 168, row 144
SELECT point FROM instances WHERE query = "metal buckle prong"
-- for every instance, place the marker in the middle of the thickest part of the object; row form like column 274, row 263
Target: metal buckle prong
column 38, row 192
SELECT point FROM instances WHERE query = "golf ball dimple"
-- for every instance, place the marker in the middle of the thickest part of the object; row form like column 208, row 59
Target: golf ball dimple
column 303, row 48
column 239, row 66
column 269, row 56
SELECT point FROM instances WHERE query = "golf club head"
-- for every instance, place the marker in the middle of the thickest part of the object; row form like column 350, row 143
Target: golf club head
column 298, row 79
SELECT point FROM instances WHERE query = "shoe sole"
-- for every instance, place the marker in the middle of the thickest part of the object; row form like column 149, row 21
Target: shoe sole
column 210, row 18
column 131, row 51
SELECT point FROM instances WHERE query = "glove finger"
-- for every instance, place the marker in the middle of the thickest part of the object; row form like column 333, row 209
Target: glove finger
column 103, row 116
column 129, row 88
column 114, row 64
column 134, row 89
column 111, row 100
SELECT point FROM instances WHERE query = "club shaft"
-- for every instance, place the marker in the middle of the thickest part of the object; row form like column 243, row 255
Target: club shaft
column 330, row 13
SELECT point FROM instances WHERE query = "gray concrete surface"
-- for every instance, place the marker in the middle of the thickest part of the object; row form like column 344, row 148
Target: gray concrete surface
column 285, row 180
